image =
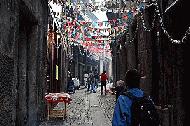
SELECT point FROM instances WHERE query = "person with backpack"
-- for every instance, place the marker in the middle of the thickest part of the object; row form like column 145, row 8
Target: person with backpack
column 133, row 108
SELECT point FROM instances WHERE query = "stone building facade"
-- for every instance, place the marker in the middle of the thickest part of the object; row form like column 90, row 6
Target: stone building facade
column 23, row 32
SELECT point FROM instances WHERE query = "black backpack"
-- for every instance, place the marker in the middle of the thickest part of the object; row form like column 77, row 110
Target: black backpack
column 143, row 111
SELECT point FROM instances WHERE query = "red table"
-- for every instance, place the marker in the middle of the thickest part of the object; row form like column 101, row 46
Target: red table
column 55, row 102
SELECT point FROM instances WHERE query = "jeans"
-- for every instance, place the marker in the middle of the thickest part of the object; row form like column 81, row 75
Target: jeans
column 93, row 87
column 96, row 83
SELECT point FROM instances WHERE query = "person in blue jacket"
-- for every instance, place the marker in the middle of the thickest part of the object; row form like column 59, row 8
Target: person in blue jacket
column 122, row 111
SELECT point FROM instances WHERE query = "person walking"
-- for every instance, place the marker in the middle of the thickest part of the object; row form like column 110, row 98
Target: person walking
column 122, row 111
column 93, row 85
column 103, row 78
column 90, row 81
column 85, row 79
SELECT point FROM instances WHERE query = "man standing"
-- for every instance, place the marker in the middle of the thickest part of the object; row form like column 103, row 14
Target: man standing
column 103, row 78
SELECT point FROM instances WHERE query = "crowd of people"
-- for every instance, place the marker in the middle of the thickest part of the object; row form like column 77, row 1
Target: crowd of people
column 91, row 81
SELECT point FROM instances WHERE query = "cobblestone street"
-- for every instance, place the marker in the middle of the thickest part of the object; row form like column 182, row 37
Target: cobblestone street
column 87, row 109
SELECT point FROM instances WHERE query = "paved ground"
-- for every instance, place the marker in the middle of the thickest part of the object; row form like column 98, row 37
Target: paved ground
column 87, row 109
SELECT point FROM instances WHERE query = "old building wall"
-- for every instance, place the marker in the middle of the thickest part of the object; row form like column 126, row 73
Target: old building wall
column 23, row 51
column 114, row 61
column 144, row 49
column 6, row 88
column 162, row 62
column 173, row 60
column 130, row 51
column 122, row 56
column 123, row 62
column 8, row 37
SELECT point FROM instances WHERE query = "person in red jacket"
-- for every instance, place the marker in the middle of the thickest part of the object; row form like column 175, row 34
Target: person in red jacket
column 103, row 78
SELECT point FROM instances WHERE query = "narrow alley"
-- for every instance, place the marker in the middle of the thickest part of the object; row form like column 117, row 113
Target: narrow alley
column 94, row 62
